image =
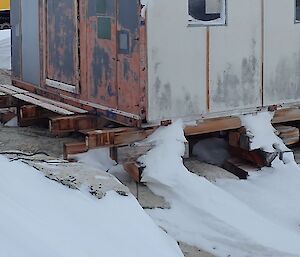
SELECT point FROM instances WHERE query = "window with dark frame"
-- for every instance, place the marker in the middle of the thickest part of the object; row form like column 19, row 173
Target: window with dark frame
column 207, row 12
column 297, row 10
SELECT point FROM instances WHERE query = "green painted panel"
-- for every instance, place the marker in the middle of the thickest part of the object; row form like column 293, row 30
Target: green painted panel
column 101, row 7
column 104, row 28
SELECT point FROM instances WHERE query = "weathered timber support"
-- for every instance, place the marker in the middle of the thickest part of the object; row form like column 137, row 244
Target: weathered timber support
column 233, row 167
column 115, row 137
column 257, row 157
column 75, row 123
column 135, row 170
column 7, row 101
column 29, row 115
column 7, row 116
column 74, row 148
column 288, row 134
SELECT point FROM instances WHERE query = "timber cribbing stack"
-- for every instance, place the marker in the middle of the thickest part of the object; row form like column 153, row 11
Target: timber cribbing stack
column 63, row 118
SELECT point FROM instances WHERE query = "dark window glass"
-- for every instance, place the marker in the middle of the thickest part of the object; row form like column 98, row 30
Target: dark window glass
column 297, row 10
column 205, row 10
column 104, row 28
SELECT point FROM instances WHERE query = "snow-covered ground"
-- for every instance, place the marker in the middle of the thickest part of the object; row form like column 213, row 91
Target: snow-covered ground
column 257, row 217
column 5, row 49
column 39, row 217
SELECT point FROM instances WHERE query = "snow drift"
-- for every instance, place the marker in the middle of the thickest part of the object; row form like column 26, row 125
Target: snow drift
column 230, row 218
column 39, row 217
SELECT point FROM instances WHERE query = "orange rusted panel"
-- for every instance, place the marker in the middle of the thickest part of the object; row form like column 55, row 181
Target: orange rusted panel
column 99, row 46
column 128, row 36
column 101, row 52
column 62, row 41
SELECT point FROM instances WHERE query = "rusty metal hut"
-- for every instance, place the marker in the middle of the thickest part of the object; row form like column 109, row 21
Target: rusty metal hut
column 190, row 59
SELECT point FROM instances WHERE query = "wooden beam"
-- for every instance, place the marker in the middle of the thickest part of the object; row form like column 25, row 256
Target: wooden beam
column 33, row 112
column 257, row 157
column 228, row 123
column 213, row 125
column 7, row 116
column 29, row 115
column 7, row 101
column 285, row 115
column 74, row 148
column 236, row 168
column 116, row 137
column 288, row 134
column 75, row 123
column 22, row 95
column 135, row 170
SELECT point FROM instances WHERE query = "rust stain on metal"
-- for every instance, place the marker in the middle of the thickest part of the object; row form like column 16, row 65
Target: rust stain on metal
column 100, row 49
column 62, row 41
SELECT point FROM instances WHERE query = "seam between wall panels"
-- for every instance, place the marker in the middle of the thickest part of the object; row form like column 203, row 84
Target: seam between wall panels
column 207, row 69
column 262, row 50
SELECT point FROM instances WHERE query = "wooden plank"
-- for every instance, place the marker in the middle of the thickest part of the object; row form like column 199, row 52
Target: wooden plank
column 213, row 125
column 47, row 106
column 74, row 148
column 131, row 137
column 285, row 115
column 288, row 134
column 116, row 137
column 257, row 157
column 104, row 137
column 14, row 89
column 7, row 91
column 44, row 99
column 236, row 167
column 59, row 104
column 73, row 123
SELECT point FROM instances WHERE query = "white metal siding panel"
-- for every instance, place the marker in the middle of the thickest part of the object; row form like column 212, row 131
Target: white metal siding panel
column 235, row 58
column 176, row 62
column 281, row 53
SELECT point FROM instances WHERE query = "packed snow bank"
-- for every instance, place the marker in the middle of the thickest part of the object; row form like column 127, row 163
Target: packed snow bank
column 39, row 217
column 5, row 49
column 207, row 216
column 97, row 158
column 260, row 129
